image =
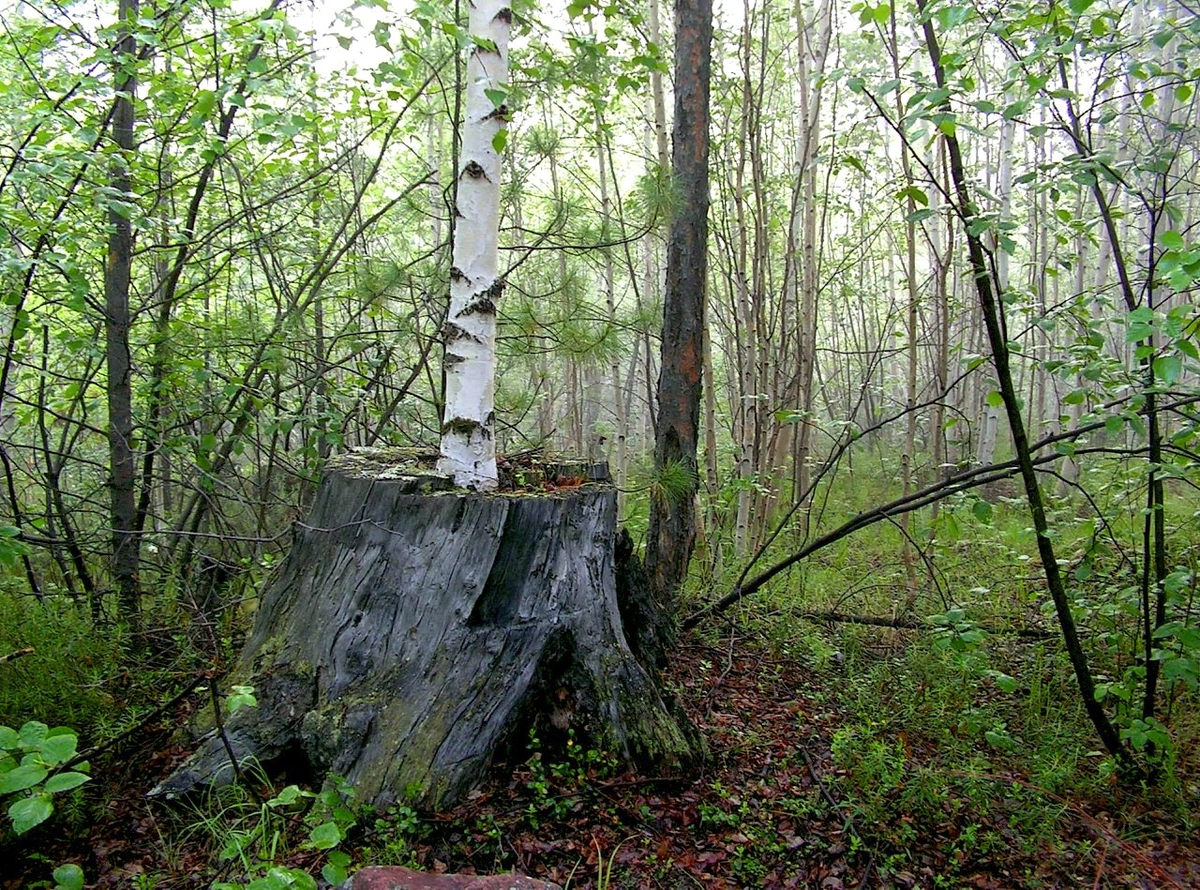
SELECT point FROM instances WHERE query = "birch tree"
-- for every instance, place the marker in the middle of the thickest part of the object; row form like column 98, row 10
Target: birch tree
column 468, row 428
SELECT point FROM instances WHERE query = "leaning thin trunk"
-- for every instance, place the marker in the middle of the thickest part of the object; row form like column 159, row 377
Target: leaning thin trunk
column 993, row 321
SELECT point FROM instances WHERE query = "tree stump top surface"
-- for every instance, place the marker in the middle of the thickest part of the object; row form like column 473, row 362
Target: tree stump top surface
column 532, row 472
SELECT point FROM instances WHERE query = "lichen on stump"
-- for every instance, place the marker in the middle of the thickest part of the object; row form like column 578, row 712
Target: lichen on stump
column 413, row 633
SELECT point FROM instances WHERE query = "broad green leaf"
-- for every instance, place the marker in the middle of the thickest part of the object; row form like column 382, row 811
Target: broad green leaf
column 9, row 738
column 68, row 877
column 500, row 141
column 59, row 748
column 325, row 836
column 24, row 776
column 982, row 510
column 915, row 194
column 206, row 100
column 1016, row 109
column 995, row 398
column 978, row 226
column 33, row 732
column 287, row 796
column 29, row 812
column 335, row 875
column 1186, row 670
column 65, row 782
column 242, row 697
column 1167, row 369
column 1171, row 240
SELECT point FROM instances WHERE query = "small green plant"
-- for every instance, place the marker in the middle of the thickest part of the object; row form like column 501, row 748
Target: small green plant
column 28, row 780
column 954, row 630
column 604, row 869
column 257, row 838
column 68, row 877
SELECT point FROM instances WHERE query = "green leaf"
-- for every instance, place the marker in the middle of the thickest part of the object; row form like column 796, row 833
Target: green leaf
column 1079, row 6
column 9, row 738
column 65, row 782
column 68, row 877
column 978, row 226
column 1171, row 240
column 33, row 732
column 29, row 812
column 915, row 194
column 1003, row 681
column 340, row 858
column 24, row 776
column 206, row 100
column 288, row 796
column 334, row 874
column 325, row 836
column 500, row 141
column 999, row 739
column 1167, row 369
column 982, row 510
column 1016, row 109
column 241, row 697
column 995, row 398
column 1182, row 669
column 59, row 748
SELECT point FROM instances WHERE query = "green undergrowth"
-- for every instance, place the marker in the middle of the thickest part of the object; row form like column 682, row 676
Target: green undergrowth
column 963, row 721
column 72, row 677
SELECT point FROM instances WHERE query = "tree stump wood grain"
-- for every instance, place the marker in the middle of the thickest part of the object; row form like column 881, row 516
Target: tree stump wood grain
column 413, row 633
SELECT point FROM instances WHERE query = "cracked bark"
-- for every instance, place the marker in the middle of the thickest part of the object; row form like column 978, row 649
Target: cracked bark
column 414, row 635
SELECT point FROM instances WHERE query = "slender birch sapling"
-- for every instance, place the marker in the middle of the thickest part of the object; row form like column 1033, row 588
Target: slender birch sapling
column 468, row 451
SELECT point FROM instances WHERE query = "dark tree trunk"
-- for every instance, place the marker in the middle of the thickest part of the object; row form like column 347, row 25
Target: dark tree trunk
column 117, row 320
column 672, row 531
column 414, row 634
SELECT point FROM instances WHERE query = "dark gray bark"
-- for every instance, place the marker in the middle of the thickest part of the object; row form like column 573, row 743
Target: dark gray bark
column 414, row 634
column 117, row 321
column 672, row 533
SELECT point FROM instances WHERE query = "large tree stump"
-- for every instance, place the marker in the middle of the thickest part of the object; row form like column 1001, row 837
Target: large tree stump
column 413, row 633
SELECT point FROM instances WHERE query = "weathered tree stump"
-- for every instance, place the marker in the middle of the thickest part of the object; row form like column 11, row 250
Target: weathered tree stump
column 413, row 633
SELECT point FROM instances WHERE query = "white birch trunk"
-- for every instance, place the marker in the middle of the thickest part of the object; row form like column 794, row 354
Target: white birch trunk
column 468, row 438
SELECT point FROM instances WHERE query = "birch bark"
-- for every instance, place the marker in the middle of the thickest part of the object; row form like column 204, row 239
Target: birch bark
column 468, row 451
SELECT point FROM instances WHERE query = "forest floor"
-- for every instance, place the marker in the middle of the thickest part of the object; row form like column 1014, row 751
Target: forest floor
column 771, row 809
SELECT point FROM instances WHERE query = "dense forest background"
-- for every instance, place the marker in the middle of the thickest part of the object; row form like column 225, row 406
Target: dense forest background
column 950, row 371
